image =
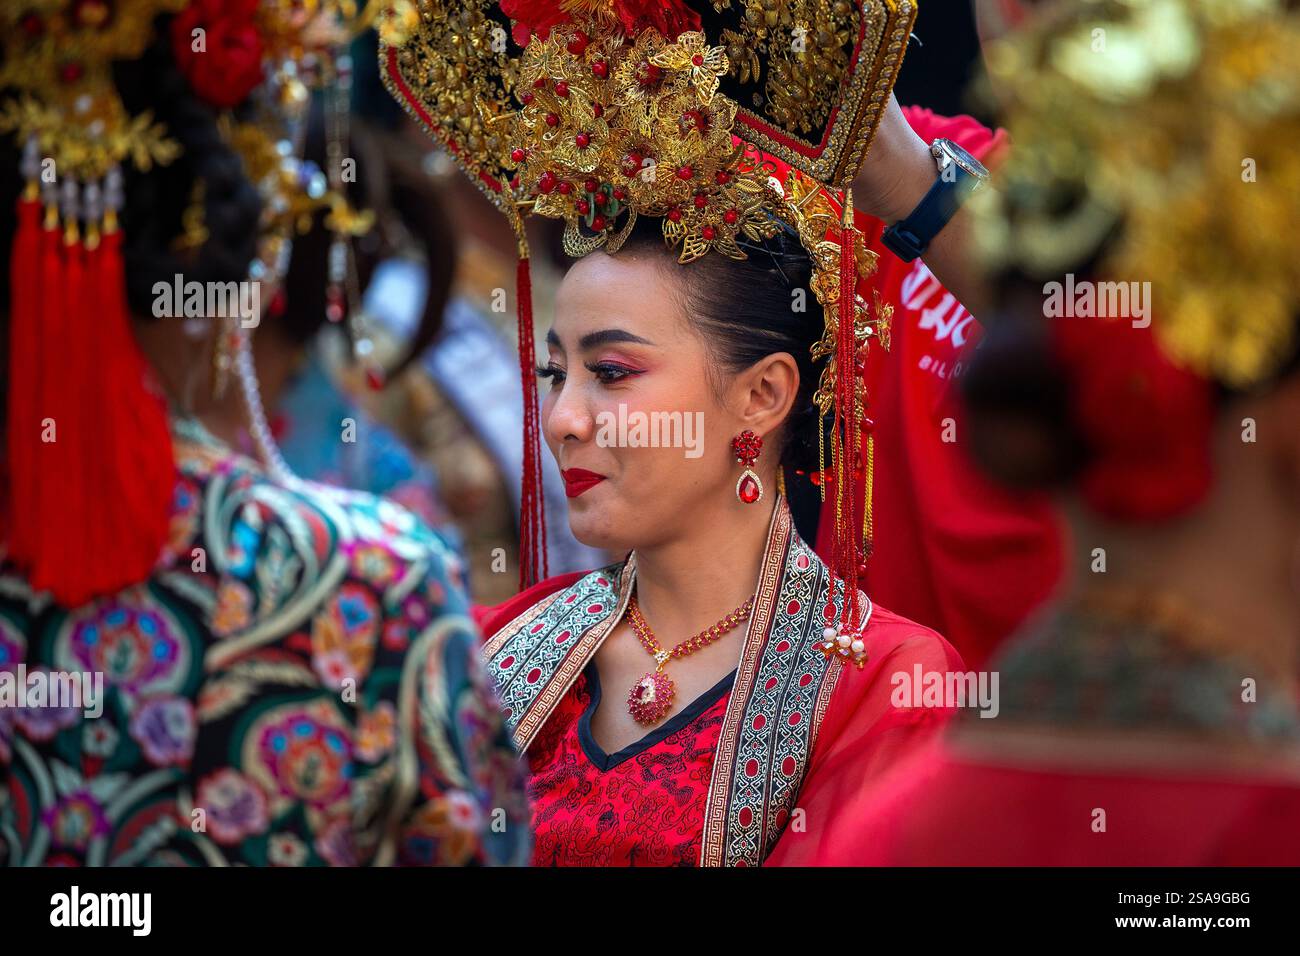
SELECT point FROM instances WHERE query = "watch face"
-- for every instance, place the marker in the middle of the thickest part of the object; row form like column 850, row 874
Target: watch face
column 946, row 147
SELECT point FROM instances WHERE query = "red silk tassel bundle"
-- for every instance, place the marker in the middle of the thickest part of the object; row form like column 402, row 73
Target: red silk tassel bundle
column 532, row 507
column 90, row 473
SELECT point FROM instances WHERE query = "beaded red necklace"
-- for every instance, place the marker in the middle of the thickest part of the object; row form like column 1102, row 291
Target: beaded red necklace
column 652, row 696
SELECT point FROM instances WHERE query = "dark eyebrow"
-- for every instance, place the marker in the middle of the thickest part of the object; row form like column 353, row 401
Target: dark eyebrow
column 602, row 337
column 608, row 337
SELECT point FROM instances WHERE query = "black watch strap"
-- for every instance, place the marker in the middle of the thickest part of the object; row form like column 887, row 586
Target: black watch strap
column 909, row 238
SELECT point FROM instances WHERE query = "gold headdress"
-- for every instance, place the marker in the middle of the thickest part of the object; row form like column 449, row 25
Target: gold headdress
column 1176, row 121
column 57, row 57
column 614, row 109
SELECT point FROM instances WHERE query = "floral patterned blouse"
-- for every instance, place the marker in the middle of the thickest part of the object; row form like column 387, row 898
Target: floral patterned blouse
column 297, row 684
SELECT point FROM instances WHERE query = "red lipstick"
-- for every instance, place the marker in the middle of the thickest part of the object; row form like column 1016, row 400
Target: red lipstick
column 578, row 480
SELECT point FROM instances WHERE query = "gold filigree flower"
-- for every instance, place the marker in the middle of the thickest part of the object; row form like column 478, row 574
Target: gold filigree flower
column 637, row 78
column 690, row 54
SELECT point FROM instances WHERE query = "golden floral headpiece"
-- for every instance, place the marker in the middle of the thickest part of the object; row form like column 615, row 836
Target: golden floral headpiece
column 597, row 112
column 635, row 97
column 57, row 58
column 1165, row 132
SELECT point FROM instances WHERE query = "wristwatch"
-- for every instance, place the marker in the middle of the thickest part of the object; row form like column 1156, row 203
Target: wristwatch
column 960, row 174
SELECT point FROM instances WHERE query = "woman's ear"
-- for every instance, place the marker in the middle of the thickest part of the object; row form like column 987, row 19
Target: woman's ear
column 765, row 392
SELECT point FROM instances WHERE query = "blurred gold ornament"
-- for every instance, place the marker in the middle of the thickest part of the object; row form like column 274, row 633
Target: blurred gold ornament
column 57, row 62
column 1166, row 136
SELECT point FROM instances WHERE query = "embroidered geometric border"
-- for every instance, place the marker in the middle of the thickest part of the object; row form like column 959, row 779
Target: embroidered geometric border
column 529, row 658
column 778, row 701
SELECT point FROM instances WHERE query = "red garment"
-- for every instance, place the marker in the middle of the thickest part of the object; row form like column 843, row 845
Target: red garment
column 643, row 806
column 1009, row 815
column 952, row 550
column 648, row 805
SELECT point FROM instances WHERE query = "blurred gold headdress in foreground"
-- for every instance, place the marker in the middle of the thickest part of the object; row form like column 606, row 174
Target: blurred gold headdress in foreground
column 1177, row 121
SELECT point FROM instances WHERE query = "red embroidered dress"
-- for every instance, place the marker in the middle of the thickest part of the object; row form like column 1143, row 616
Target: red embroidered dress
column 641, row 806
column 764, row 757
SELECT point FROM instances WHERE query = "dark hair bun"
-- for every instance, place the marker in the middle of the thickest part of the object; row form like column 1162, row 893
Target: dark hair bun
column 157, row 199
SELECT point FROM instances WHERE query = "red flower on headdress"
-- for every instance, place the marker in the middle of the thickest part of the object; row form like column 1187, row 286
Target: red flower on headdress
column 533, row 17
column 670, row 17
column 539, row 17
column 1147, row 421
column 227, row 66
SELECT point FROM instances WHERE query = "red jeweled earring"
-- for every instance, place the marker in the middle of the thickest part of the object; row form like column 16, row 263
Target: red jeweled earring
column 746, row 447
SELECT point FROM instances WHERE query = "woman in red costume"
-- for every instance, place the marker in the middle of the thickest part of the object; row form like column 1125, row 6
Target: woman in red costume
column 716, row 692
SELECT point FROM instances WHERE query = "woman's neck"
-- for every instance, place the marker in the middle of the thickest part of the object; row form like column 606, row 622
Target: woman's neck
column 277, row 360
column 689, row 583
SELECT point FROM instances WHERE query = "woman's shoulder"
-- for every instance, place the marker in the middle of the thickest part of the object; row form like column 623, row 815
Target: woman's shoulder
column 906, row 641
column 228, row 479
column 493, row 619
column 275, row 543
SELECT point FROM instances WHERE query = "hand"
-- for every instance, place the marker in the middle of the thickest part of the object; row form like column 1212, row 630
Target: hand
column 894, row 178
column 898, row 170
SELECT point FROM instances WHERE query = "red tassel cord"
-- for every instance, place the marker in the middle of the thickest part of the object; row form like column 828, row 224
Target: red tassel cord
column 102, row 537
column 532, row 520
column 50, row 466
column 76, row 551
column 22, row 426
column 141, row 472
column 118, row 418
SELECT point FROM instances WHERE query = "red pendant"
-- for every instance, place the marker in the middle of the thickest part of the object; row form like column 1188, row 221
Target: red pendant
column 749, row 489
column 651, row 698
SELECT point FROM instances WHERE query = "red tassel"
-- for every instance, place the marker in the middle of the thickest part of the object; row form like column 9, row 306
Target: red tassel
column 105, row 530
column 93, row 504
column 22, row 429
column 48, row 471
column 532, row 520
column 70, row 545
column 93, row 448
